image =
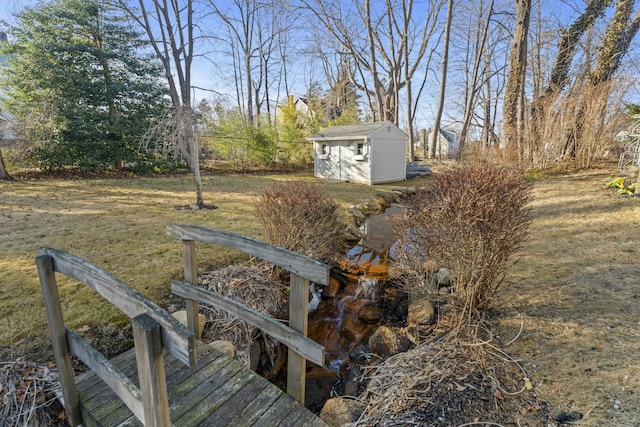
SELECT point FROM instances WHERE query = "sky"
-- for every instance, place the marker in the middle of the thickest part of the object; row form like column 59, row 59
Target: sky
column 207, row 75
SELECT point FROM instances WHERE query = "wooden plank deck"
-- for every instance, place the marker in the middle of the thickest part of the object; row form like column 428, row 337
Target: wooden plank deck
column 220, row 391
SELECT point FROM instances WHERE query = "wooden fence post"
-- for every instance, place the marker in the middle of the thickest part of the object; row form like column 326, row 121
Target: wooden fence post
column 298, row 321
column 61, row 352
column 191, row 276
column 153, row 383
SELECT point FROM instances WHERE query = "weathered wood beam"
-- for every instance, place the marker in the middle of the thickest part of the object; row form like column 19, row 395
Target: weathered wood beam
column 298, row 321
column 112, row 376
column 296, row 263
column 191, row 276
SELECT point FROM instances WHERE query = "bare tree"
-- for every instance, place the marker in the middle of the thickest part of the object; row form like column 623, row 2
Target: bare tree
column 568, row 46
column 616, row 41
column 514, row 90
column 476, row 60
column 386, row 43
column 435, row 131
column 254, row 32
column 169, row 25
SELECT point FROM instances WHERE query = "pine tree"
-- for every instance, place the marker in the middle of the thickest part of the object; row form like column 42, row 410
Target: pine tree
column 78, row 85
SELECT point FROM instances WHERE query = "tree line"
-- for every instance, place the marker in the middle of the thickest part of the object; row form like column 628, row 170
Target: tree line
column 91, row 82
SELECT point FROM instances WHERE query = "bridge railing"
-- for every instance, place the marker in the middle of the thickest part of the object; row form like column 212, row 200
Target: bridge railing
column 303, row 270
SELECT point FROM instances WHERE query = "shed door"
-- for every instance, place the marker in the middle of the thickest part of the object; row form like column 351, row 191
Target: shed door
column 344, row 161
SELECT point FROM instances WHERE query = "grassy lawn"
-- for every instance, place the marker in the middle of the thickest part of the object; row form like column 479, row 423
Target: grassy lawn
column 118, row 224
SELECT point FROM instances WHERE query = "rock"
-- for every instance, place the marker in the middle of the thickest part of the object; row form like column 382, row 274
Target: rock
column 353, row 231
column 381, row 201
column 333, row 288
column 358, row 214
column 565, row 417
column 351, row 328
column 225, row 347
column 339, row 411
column 421, row 312
column 254, row 355
column 369, row 313
column 374, row 207
column 442, row 277
column 385, row 342
column 403, row 307
column 182, row 318
column 397, row 195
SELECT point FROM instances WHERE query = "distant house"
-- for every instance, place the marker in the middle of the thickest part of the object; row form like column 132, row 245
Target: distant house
column 447, row 144
column 299, row 103
column 367, row 153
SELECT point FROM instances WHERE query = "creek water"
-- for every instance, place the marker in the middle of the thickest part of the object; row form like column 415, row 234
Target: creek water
column 350, row 308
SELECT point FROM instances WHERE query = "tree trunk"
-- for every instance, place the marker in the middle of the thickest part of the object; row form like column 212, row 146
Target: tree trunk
column 443, row 82
column 516, row 74
column 616, row 41
column 4, row 175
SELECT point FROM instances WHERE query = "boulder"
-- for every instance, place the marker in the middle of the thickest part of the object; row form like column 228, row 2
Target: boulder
column 354, row 232
column 334, row 287
column 369, row 313
column 421, row 312
column 358, row 215
column 385, row 342
column 339, row 411
column 225, row 347
column 182, row 318
column 442, row 277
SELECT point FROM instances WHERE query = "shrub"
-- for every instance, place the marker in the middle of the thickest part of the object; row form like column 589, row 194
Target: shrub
column 470, row 220
column 301, row 217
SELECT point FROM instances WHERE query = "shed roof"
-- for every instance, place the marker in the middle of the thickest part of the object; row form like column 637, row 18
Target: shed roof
column 347, row 132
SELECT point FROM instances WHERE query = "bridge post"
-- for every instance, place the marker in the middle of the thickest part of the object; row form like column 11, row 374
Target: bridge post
column 191, row 276
column 298, row 321
column 153, row 383
column 58, row 331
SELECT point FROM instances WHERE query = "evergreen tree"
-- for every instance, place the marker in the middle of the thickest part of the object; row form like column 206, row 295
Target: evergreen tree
column 79, row 85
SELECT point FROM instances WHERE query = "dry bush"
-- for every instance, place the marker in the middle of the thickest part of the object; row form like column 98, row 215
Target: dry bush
column 587, row 113
column 301, row 217
column 457, row 380
column 470, row 220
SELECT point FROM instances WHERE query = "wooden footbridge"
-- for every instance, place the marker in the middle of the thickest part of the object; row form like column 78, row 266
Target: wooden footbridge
column 169, row 378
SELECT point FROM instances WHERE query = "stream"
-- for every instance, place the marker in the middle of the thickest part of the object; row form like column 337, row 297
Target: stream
column 351, row 308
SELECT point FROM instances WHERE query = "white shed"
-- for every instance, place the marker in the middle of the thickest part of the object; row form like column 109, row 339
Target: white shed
column 368, row 153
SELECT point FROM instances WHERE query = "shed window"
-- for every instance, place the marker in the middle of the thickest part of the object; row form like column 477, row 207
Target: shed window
column 360, row 149
column 324, row 149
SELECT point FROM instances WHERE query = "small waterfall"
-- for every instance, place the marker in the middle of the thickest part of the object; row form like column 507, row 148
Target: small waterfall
column 366, row 288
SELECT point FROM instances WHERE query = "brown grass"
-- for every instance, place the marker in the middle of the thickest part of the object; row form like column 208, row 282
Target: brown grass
column 576, row 295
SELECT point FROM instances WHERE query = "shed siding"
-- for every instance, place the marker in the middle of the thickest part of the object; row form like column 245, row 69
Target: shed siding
column 389, row 157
